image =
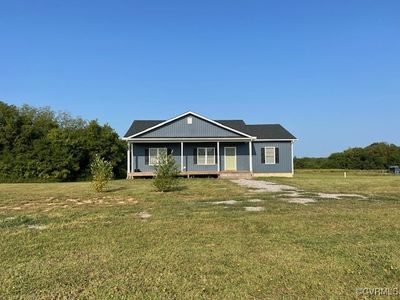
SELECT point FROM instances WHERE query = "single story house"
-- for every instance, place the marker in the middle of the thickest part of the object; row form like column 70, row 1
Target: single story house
column 202, row 146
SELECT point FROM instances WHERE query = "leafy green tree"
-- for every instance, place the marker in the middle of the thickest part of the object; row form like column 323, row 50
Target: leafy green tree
column 38, row 144
column 166, row 173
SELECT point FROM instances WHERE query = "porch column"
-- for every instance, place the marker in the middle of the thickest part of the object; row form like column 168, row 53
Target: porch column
column 218, row 158
column 182, row 157
column 128, row 162
column 291, row 150
column 251, row 156
column 132, row 159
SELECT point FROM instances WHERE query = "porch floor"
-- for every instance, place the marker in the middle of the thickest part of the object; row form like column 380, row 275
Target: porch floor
column 188, row 174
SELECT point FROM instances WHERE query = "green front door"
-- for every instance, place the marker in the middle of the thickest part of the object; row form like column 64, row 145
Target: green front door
column 230, row 158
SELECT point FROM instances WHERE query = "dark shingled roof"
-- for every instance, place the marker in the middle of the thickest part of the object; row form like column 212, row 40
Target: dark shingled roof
column 261, row 131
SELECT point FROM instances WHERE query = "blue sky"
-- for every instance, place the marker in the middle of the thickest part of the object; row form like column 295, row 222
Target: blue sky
column 329, row 71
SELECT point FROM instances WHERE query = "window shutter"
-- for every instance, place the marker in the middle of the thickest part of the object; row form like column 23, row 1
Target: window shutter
column 263, row 155
column 146, row 156
column 169, row 151
column 277, row 155
column 195, row 156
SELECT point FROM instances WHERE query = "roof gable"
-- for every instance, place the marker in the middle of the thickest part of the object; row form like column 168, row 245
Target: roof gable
column 179, row 127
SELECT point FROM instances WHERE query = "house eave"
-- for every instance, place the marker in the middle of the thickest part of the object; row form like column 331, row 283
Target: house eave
column 201, row 139
column 189, row 139
column 276, row 140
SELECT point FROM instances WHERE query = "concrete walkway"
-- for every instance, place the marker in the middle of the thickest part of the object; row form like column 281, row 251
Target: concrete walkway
column 289, row 193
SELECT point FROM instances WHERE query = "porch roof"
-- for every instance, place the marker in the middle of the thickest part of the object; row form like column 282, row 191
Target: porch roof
column 190, row 140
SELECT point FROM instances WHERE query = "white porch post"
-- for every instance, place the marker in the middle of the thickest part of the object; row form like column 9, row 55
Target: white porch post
column 251, row 156
column 132, row 158
column 128, row 162
column 181, row 156
column 218, row 158
column 291, row 149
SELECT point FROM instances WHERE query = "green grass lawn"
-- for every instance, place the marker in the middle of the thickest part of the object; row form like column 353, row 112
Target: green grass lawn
column 61, row 240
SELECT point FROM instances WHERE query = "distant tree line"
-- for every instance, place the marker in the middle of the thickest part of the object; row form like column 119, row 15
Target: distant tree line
column 373, row 157
column 39, row 144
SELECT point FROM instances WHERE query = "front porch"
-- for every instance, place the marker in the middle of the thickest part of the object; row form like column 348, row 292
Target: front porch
column 216, row 158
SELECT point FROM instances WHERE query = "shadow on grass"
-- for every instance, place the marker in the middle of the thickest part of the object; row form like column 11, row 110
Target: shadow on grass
column 179, row 188
column 115, row 189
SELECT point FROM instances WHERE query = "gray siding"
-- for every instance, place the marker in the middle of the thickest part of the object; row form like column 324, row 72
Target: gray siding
column 242, row 152
column 180, row 128
column 189, row 149
column 242, row 155
column 285, row 158
column 139, row 155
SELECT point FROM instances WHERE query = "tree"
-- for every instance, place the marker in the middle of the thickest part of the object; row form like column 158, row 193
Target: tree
column 166, row 173
column 373, row 157
column 101, row 173
column 39, row 144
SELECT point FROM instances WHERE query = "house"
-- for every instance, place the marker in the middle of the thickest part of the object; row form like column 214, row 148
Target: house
column 202, row 146
column 394, row 170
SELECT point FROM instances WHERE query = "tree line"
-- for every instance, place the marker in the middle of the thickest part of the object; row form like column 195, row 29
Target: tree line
column 376, row 156
column 42, row 145
column 38, row 144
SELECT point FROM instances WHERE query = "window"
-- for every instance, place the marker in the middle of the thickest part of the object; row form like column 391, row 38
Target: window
column 206, row 156
column 270, row 155
column 189, row 120
column 154, row 153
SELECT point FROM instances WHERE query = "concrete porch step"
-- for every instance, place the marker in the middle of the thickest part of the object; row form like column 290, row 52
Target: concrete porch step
column 241, row 175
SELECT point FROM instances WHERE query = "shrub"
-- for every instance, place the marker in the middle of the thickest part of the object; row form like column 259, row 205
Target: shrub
column 166, row 173
column 102, row 173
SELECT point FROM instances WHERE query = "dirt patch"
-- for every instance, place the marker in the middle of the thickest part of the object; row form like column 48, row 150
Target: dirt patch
column 255, row 200
column 300, row 200
column 292, row 194
column 254, row 208
column 226, row 202
column 259, row 186
column 72, row 200
column 339, row 196
column 143, row 215
column 37, row 227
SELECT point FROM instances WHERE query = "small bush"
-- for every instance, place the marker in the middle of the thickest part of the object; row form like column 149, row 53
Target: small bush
column 166, row 173
column 102, row 173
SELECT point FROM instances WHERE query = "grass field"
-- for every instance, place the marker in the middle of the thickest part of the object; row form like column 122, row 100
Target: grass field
column 63, row 241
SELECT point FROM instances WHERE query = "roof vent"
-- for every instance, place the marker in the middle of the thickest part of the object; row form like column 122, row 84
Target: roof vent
column 189, row 120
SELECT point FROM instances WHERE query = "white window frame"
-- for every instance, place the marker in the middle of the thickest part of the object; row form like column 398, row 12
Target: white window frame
column 158, row 154
column 190, row 120
column 205, row 156
column 265, row 156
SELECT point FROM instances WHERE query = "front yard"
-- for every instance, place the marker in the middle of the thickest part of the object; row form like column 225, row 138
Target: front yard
column 61, row 240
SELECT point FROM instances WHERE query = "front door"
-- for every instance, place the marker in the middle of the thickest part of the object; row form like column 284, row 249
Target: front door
column 230, row 158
